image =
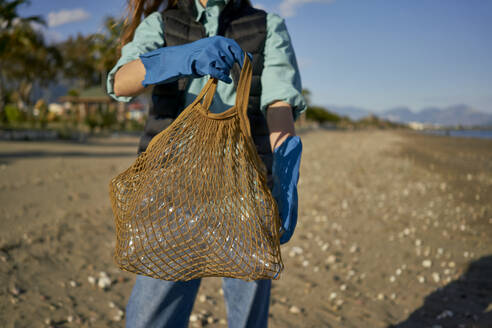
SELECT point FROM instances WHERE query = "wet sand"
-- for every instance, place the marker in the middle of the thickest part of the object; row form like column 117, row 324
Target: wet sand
column 395, row 230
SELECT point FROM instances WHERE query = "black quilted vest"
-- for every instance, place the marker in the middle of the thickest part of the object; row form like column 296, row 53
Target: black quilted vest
column 238, row 21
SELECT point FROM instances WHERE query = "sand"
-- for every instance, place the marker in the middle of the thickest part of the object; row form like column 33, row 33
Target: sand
column 395, row 230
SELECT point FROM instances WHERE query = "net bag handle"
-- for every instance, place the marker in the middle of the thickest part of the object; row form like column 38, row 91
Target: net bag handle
column 209, row 94
column 243, row 85
column 207, row 100
column 242, row 95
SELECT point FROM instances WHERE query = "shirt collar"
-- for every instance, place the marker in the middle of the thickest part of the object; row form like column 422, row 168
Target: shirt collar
column 210, row 3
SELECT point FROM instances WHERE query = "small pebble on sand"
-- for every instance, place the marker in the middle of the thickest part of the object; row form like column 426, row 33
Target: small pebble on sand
column 294, row 309
column 104, row 281
column 331, row 259
column 295, row 250
column 14, row 290
column 426, row 263
column 436, row 277
column 354, row 248
column 119, row 315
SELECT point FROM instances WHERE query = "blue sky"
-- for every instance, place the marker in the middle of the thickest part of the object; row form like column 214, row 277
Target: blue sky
column 373, row 54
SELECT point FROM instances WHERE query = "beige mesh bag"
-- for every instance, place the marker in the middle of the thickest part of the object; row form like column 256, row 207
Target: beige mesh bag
column 196, row 202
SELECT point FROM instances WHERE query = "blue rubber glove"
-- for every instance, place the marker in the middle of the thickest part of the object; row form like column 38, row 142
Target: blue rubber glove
column 212, row 56
column 286, row 163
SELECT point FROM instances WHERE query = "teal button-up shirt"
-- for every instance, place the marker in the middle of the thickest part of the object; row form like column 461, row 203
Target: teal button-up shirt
column 280, row 78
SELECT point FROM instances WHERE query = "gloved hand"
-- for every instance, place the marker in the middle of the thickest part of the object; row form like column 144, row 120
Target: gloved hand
column 286, row 163
column 214, row 56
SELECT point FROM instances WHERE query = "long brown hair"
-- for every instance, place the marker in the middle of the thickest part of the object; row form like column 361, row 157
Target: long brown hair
column 136, row 9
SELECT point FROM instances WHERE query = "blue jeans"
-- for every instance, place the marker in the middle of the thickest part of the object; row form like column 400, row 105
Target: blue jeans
column 156, row 303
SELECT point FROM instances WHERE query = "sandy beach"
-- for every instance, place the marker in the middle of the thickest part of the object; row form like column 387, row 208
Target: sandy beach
column 394, row 230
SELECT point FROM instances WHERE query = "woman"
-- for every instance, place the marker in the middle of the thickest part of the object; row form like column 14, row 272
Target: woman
column 175, row 50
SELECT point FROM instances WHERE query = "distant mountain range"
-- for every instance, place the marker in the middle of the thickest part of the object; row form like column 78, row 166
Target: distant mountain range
column 453, row 115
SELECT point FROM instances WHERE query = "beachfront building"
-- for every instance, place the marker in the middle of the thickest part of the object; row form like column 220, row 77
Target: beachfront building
column 90, row 100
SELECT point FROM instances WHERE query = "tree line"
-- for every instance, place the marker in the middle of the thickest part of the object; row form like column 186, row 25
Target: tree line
column 27, row 60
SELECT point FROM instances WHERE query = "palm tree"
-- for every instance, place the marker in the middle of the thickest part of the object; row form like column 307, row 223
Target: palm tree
column 25, row 59
column 88, row 59
column 79, row 63
column 9, row 19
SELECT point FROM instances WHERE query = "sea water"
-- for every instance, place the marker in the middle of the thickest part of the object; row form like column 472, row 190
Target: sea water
column 481, row 134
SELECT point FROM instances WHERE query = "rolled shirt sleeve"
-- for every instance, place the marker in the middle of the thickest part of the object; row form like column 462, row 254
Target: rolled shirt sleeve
column 280, row 80
column 148, row 36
